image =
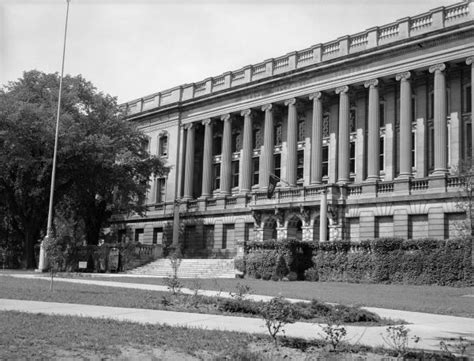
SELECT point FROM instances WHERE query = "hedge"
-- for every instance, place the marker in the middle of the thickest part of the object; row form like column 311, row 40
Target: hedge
column 388, row 260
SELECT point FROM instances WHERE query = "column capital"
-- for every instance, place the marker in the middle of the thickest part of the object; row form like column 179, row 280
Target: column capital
column 342, row 89
column 246, row 112
column 403, row 76
column 470, row 60
column 371, row 83
column 188, row 126
column 316, row 95
column 267, row 107
column 225, row 117
column 206, row 121
column 437, row 67
column 291, row 101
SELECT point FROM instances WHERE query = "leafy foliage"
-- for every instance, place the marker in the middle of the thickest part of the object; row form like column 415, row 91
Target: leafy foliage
column 103, row 165
column 277, row 313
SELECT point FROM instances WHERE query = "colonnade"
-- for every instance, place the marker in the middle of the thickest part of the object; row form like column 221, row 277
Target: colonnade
column 437, row 71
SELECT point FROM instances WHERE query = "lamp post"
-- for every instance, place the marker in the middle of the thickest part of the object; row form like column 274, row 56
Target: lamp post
column 49, row 228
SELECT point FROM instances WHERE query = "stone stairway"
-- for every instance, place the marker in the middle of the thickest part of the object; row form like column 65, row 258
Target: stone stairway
column 189, row 268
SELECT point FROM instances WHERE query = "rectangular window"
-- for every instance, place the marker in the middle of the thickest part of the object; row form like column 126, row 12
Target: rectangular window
column 413, row 149
column 417, row 226
column 431, row 148
column 383, row 227
column 160, row 190
column 158, row 235
column 139, row 235
column 235, row 173
column 257, row 138
column 352, row 120
column 468, row 142
column 216, row 170
column 277, row 134
column 163, row 146
column 301, row 130
column 413, row 108
column 352, row 153
column 248, row 235
column 468, row 101
column 382, row 114
column 277, row 164
column 325, row 160
column 217, row 144
column 236, row 141
column 228, row 236
column 255, row 170
column 381, row 150
column 300, row 164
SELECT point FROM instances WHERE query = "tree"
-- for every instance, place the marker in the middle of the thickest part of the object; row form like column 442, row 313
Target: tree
column 103, row 164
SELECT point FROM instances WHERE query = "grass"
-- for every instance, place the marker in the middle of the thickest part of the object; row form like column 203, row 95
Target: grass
column 30, row 336
column 30, row 289
column 431, row 299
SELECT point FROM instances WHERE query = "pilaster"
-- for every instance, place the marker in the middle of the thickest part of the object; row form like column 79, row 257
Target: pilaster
column 344, row 140
column 316, row 138
column 405, row 124
column 373, row 167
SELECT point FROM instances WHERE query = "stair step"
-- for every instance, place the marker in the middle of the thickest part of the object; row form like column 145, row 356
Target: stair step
column 189, row 268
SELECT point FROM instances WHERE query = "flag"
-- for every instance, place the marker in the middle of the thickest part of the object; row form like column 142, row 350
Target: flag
column 272, row 182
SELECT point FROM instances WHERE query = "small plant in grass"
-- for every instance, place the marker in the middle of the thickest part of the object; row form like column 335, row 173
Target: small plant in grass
column 242, row 291
column 397, row 338
column 54, row 255
column 333, row 332
column 173, row 282
column 455, row 346
column 277, row 313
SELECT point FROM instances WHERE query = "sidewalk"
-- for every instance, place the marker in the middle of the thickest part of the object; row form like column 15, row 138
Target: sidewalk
column 431, row 328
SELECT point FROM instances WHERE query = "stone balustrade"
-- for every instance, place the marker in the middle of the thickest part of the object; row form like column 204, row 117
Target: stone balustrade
column 405, row 28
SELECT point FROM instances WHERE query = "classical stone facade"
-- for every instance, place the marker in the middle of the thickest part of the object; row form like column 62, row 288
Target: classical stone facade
column 365, row 133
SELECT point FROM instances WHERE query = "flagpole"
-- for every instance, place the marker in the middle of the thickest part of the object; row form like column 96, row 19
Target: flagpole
column 49, row 228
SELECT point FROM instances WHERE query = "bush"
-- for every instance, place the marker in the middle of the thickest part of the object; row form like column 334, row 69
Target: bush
column 311, row 274
column 239, row 305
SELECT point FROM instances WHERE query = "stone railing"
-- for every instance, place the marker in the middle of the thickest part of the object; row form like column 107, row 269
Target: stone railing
column 405, row 28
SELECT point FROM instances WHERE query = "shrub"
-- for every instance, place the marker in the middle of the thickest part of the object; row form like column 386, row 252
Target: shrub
column 276, row 313
column 239, row 305
column 311, row 274
column 281, row 269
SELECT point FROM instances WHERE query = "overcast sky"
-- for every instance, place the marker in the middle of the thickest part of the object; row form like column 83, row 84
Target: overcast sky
column 130, row 49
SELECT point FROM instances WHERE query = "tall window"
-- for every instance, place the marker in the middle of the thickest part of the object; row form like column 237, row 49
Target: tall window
column 139, row 232
column 300, row 165
column 248, row 233
column 382, row 155
column 163, row 146
column 216, row 169
column 468, row 99
column 325, row 161
column 382, row 114
column 352, row 120
column 431, row 147
column 217, row 144
column 236, row 140
column 301, row 129
column 158, row 235
column 277, row 164
column 352, row 156
column 413, row 149
column 257, row 137
column 255, row 170
column 277, row 134
column 235, row 173
column 160, row 190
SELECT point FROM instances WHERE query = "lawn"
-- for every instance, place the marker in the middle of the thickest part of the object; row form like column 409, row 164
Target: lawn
column 431, row 299
column 31, row 289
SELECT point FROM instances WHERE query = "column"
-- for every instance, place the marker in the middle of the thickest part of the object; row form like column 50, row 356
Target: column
column 246, row 179
column 373, row 156
column 439, row 119
column 267, row 146
column 470, row 61
column 323, row 218
column 316, row 138
column 343, row 139
column 405, row 124
column 226, row 157
column 207, row 160
column 292, row 142
column 189, row 162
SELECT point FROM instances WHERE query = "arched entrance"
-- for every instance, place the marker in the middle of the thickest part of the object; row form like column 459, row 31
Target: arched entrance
column 295, row 228
column 270, row 229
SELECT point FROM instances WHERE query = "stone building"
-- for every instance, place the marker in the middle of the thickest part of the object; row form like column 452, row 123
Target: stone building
column 365, row 133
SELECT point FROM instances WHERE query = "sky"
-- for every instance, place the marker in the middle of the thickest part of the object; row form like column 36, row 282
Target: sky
column 131, row 49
